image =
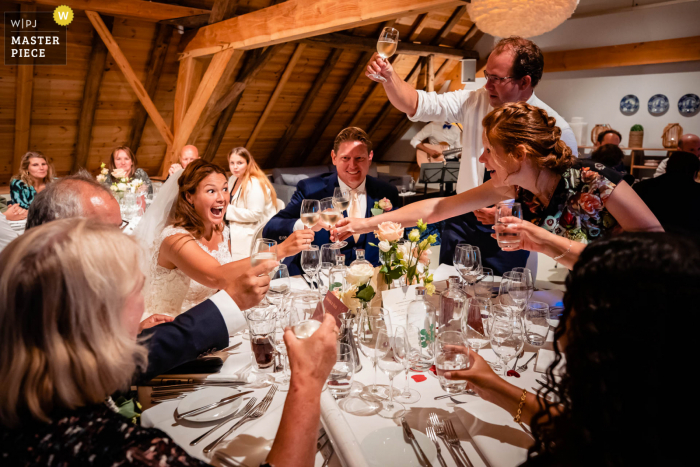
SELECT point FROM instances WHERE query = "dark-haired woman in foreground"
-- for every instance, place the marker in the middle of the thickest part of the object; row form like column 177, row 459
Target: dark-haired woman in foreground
column 574, row 201
column 618, row 353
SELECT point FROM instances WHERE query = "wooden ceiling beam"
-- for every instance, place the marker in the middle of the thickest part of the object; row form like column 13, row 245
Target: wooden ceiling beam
column 417, row 27
column 130, row 76
column 388, row 106
column 369, row 44
column 276, row 93
column 154, row 69
column 273, row 159
column 91, row 91
column 189, row 22
column 138, row 9
column 375, row 90
column 300, row 19
column 23, row 106
column 222, row 9
column 446, row 28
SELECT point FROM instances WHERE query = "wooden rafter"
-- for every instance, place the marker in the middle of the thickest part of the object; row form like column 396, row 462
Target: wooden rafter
column 388, row 106
column 417, row 27
column 130, row 76
column 23, row 106
column 449, row 25
column 300, row 19
column 282, row 144
column 375, row 90
column 91, row 91
column 153, row 71
column 430, row 69
column 276, row 93
column 139, row 9
column 222, row 9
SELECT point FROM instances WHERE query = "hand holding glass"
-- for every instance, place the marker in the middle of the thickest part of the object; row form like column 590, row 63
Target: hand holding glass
column 386, row 47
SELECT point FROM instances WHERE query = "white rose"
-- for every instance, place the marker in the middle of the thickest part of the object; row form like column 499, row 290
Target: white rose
column 359, row 274
column 101, row 178
column 104, row 171
column 114, row 188
column 349, row 300
column 121, row 186
column 384, row 246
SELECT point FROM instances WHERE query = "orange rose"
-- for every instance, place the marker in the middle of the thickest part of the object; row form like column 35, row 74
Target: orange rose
column 590, row 204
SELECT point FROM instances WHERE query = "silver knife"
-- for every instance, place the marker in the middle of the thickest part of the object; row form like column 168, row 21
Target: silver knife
column 410, row 435
column 224, row 401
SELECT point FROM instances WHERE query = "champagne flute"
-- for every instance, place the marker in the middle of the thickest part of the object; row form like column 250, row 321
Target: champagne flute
column 330, row 214
column 386, row 47
column 310, row 212
column 341, row 199
column 391, row 355
column 311, row 262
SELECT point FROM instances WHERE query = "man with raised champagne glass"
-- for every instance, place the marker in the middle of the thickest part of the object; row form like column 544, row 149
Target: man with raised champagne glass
column 352, row 156
column 513, row 70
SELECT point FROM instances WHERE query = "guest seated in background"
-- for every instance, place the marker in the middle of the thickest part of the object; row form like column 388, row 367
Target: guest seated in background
column 688, row 143
column 591, row 415
column 608, row 137
column 437, row 133
column 670, row 195
column 13, row 212
column 253, row 201
column 7, row 234
column 68, row 341
column 352, row 156
column 35, row 173
column 574, row 200
column 171, row 342
column 188, row 242
column 188, row 154
column 124, row 160
column 611, row 156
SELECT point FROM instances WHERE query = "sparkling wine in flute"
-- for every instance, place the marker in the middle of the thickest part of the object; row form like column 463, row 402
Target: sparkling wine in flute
column 258, row 258
column 311, row 219
column 331, row 217
column 386, row 48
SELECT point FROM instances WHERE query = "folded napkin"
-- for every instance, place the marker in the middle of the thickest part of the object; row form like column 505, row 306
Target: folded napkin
column 545, row 358
column 443, row 272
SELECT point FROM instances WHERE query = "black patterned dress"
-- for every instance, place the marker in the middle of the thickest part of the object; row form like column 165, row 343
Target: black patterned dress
column 89, row 436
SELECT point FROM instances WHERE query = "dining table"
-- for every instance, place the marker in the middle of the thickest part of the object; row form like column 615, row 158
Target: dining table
column 487, row 433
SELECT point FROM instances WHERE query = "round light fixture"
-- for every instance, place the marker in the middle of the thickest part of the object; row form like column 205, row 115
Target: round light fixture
column 524, row 18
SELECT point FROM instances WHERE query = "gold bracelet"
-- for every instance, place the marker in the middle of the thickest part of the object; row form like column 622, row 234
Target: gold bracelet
column 568, row 250
column 520, row 406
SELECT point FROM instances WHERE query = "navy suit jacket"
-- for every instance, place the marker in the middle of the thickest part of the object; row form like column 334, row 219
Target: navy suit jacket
column 282, row 224
column 192, row 333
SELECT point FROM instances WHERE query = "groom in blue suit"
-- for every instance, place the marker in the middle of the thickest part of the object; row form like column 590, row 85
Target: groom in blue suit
column 352, row 156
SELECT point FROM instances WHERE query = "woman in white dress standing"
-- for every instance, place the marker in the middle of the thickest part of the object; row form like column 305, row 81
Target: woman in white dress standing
column 190, row 259
column 253, row 201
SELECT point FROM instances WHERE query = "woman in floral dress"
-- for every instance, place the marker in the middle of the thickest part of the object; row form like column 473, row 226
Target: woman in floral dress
column 573, row 201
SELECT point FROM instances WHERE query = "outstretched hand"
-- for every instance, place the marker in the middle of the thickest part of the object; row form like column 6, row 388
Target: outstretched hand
column 312, row 359
column 343, row 229
column 295, row 243
column 532, row 237
column 248, row 289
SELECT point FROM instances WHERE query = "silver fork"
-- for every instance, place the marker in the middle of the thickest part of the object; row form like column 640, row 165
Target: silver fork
column 431, row 434
column 257, row 412
column 454, row 440
column 439, row 428
column 238, row 413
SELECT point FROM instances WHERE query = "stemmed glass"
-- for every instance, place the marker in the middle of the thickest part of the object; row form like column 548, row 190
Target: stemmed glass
column 327, row 262
column 311, row 261
column 386, row 47
column 458, row 259
column 391, row 354
column 411, row 336
column 280, row 286
column 517, row 289
column 529, row 282
column 506, row 335
column 471, row 260
column 330, row 214
column 475, row 326
column 341, row 199
column 310, row 212
column 262, row 250
column 483, row 288
column 372, row 321
column 281, row 348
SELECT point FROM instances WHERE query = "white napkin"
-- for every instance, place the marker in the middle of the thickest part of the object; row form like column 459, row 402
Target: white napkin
column 545, row 358
column 252, row 444
column 298, row 283
column 443, row 272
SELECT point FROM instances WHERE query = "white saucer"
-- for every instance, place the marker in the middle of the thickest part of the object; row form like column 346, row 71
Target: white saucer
column 209, row 396
column 388, row 446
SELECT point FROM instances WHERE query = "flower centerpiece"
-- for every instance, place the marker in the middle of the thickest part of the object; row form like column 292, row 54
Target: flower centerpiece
column 102, row 177
column 413, row 256
column 122, row 184
column 381, row 206
column 389, row 234
column 358, row 280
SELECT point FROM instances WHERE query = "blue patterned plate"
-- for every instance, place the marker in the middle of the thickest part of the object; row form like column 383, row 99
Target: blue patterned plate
column 629, row 104
column 658, row 104
column 689, row 105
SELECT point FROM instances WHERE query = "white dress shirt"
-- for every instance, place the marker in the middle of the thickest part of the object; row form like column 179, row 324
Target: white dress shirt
column 6, row 232
column 361, row 196
column 233, row 317
column 661, row 169
column 470, row 108
column 437, row 133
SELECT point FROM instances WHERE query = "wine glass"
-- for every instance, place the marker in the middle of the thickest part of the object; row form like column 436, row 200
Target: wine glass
column 411, row 336
column 391, row 353
column 448, row 359
column 483, row 288
column 281, row 348
column 474, row 326
column 471, row 260
column 328, row 255
column 339, row 380
column 529, row 282
column 301, row 310
column 372, row 320
column 331, row 215
column 506, row 336
column 517, row 289
column 310, row 212
column 311, row 261
column 280, row 286
column 341, row 199
column 386, row 47
column 262, row 250
column 458, row 259
column 508, row 241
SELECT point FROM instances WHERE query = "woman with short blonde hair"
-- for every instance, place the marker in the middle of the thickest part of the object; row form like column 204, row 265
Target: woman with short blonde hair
column 35, row 172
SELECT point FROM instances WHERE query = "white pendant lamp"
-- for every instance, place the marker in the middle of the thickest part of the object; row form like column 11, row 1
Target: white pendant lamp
column 524, row 18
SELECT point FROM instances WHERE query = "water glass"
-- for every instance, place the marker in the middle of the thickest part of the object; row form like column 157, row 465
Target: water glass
column 554, row 316
column 448, row 359
column 302, row 307
column 474, row 326
column 508, row 241
column 261, row 324
column 340, row 379
column 536, row 326
column 484, row 288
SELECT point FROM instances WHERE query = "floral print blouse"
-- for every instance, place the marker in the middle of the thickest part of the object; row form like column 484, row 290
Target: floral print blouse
column 21, row 194
column 576, row 209
column 88, row 436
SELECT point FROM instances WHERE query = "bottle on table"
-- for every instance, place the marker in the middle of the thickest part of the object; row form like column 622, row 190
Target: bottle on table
column 336, row 276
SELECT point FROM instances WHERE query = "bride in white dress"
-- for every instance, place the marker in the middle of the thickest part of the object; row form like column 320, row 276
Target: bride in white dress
column 188, row 243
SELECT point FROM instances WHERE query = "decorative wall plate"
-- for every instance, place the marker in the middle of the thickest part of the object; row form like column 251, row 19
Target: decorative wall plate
column 658, row 105
column 689, row 105
column 629, row 104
